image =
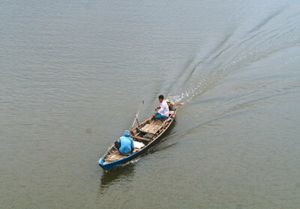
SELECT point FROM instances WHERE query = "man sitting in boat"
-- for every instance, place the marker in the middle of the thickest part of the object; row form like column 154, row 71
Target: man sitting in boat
column 125, row 144
column 171, row 108
column 163, row 110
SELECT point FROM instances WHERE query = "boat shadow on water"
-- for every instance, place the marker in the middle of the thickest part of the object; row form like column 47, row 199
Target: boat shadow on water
column 108, row 178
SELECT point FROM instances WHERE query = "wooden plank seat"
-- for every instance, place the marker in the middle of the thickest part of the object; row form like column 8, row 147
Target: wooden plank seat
column 153, row 127
column 140, row 138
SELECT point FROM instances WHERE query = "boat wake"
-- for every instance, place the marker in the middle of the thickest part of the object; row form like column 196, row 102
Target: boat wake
column 235, row 51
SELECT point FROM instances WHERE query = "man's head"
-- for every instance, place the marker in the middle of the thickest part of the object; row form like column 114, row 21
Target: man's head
column 127, row 133
column 168, row 102
column 161, row 98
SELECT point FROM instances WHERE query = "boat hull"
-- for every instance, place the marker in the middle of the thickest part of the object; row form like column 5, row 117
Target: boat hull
column 111, row 165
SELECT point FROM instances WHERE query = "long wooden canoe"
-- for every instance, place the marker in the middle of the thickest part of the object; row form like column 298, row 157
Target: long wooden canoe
column 144, row 135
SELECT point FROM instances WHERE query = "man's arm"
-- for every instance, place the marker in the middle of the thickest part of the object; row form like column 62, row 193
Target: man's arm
column 154, row 115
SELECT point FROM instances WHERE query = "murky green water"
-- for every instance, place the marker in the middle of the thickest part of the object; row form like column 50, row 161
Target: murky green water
column 74, row 73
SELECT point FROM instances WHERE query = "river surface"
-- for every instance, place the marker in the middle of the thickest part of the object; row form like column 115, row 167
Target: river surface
column 74, row 73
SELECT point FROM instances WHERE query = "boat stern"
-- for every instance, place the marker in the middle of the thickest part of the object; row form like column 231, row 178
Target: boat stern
column 107, row 165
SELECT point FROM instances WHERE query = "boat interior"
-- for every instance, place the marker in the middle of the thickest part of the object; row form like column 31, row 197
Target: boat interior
column 142, row 136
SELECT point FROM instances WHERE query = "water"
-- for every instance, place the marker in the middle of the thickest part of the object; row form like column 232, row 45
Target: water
column 74, row 73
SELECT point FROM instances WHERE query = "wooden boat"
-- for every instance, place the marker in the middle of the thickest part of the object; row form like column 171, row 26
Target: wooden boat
column 144, row 135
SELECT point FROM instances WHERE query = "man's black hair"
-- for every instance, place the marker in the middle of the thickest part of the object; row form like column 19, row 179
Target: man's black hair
column 161, row 97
